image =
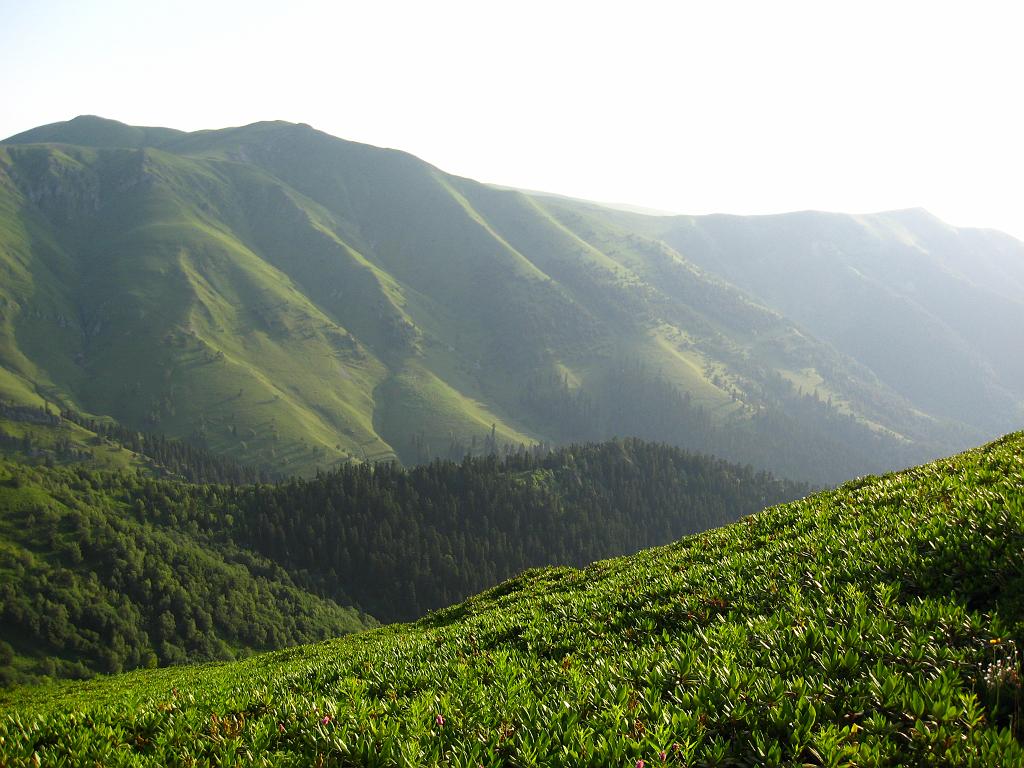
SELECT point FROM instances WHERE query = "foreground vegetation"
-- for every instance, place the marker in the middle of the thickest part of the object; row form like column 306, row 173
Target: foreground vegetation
column 872, row 625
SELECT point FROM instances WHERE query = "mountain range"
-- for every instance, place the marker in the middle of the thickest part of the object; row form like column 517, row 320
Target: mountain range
column 296, row 301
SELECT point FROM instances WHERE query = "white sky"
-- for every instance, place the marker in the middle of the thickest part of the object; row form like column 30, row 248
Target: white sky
column 692, row 107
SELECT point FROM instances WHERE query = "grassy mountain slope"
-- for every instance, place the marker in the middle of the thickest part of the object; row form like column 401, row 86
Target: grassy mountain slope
column 35, row 435
column 934, row 311
column 876, row 624
column 160, row 309
column 295, row 301
column 32, row 435
column 93, row 131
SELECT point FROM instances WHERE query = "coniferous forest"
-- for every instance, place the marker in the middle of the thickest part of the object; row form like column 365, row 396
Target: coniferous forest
column 112, row 570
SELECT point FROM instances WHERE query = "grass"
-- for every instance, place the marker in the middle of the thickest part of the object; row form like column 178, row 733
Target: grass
column 687, row 366
column 93, row 452
column 418, row 402
column 14, row 388
column 871, row 625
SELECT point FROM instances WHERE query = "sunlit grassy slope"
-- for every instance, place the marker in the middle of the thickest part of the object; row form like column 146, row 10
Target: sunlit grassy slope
column 295, row 301
column 933, row 310
column 872, row 625
column 79, row 445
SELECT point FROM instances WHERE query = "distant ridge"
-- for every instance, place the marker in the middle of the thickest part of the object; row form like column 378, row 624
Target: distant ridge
column 628, row 208
column 94, row 131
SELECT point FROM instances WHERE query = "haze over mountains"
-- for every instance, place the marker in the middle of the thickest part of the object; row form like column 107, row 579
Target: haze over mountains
column 295, row 300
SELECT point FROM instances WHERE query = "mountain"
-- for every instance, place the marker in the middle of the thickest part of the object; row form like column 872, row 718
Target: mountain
column 877, row 624
column 110, row 570
column 295, row 301
column 35, row 435
column 935, row 311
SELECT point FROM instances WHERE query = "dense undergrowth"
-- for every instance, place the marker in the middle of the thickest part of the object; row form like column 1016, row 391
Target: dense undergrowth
column 872, row 625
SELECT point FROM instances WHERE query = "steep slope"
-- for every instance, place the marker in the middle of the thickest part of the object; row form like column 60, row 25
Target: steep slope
column 33, row 435
column 934, row 311
column 874, row 625
column 295, row 301
column 143, row 305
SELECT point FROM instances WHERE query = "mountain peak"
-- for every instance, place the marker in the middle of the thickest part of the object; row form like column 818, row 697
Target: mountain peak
column 96, row 131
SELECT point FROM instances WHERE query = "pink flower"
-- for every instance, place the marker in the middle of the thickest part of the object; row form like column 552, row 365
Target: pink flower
column 439, row 720
column 280, row 727
column 663, row 755
column 326, row 720
column 640, row 764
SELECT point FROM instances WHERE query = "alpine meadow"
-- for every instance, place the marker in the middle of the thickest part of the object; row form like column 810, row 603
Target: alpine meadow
column 315, row 454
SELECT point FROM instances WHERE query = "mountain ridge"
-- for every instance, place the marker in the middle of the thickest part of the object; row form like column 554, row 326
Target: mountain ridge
column 296, row 300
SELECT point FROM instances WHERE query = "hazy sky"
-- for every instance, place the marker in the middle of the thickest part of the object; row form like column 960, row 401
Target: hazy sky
column 690, row 107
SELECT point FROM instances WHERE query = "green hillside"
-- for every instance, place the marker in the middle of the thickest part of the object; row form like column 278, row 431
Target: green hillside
column 297, row 301
column 35, row 435
column 38, row 436
column 934, row 311
column 107, row 571
column 877, row 624
column 87, row 586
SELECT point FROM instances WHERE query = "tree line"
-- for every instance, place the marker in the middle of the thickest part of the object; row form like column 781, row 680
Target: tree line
column 399, row 542
column 115, row 570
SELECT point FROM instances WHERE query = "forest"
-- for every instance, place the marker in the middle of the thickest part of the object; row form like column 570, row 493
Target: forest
column 105, row 571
